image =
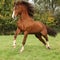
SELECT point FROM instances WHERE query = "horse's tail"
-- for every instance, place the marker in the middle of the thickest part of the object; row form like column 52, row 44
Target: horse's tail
column 51, row 31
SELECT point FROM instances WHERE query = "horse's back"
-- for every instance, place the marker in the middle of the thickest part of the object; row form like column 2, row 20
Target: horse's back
column 42, row 27
column 36, row 27
column 39, row 27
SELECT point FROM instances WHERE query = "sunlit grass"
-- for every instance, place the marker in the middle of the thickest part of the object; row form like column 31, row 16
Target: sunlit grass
column 34, row 49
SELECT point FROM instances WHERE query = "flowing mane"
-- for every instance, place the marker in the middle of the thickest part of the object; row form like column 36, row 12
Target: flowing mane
column 30, row 8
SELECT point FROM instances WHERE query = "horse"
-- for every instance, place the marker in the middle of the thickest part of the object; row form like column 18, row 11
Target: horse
column 27, row 25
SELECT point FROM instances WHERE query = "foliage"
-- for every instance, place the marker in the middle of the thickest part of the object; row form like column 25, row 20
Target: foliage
column 5, row 17
column 47, row 10
column 41, row 14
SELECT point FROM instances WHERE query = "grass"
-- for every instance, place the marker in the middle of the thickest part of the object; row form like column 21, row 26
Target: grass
column 34, row 49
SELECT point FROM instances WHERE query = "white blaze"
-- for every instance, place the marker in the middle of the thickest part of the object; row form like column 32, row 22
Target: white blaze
column 13, row 15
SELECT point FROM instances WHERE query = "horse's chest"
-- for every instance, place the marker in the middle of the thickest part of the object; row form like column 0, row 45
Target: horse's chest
column 22, row 26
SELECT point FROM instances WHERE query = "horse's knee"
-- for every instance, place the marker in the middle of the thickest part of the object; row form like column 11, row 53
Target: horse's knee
column 15, row 36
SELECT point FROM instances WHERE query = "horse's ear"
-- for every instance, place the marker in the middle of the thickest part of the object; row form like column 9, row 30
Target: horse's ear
column 14, row 3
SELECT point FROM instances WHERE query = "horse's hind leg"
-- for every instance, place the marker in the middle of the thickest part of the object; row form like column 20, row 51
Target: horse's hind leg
column 44, row 34
column 47, row 42
column 39, row 36
column 15, row 36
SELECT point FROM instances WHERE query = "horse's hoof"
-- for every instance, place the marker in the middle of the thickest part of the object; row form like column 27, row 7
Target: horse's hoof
column 14, row 46
column 49, row 48
column 22, row 49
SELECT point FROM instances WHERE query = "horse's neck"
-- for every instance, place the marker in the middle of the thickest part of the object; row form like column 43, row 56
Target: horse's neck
column 25, row 16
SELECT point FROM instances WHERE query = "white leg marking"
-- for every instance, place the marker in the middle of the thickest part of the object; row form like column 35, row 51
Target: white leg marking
column 14, row 43
column 47, row 45
column 22, row 49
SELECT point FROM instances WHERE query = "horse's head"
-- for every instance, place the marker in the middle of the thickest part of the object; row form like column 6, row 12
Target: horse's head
column 17, row 10
column 22, row 6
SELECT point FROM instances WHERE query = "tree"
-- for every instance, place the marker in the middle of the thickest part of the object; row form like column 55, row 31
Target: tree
column 47, row 11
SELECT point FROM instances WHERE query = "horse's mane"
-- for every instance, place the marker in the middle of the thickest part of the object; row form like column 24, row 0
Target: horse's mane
column 29, row 7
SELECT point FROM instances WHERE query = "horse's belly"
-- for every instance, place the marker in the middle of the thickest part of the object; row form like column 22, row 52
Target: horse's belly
column 35, row 30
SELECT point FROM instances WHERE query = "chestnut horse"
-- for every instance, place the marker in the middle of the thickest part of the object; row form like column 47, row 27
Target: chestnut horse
column 27, row 24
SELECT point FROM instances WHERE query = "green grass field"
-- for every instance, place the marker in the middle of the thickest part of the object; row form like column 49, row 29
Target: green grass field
column 34, row 49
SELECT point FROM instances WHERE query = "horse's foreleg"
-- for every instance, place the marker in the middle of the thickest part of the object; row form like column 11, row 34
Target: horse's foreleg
column 15, row 36
column 24, row 41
